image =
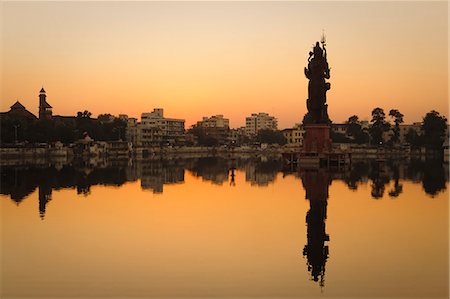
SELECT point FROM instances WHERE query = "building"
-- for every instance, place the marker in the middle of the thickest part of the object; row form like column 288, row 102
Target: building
column 45, row 110
column 294, row 136
column 155, row 129
column 216, row 127
column 260, row 121
column 238, row 136
column 18, row 111
column 131, row 132
column 339, row 128
column 216, row 121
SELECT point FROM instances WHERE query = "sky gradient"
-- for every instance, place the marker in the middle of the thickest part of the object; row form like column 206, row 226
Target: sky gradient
column 198, row 59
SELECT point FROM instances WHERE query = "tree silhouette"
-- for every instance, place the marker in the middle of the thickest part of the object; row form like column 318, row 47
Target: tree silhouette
column 355, row 130
column 398, row 119
column 434, row 128
column 379, row 125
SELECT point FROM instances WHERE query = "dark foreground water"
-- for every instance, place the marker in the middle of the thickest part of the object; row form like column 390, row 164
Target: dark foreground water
column 224, row 228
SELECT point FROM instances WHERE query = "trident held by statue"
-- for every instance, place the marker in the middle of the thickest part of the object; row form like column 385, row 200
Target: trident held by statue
column 323, row 39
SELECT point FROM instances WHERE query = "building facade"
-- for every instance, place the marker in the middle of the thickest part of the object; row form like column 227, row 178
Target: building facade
column 294, row 136
column 215, row 121
column 155, row 129
column 216, row 127
column 260, row 121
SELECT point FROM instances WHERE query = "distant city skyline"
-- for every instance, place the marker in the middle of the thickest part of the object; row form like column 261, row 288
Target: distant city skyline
column 197, row 59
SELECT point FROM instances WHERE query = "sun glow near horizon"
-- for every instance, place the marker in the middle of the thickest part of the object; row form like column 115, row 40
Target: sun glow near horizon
column 198, row 59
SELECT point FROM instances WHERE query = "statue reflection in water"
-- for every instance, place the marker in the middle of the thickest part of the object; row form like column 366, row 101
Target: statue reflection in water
column 316, row 183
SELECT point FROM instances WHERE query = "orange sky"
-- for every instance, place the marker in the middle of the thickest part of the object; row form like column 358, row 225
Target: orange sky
column 196, row 59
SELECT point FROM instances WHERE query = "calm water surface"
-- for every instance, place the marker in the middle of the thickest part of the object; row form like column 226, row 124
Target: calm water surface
column 212, row 227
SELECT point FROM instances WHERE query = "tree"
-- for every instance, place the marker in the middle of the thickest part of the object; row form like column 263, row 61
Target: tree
column 434, row 128
column 413, row 138
column 202, row 138
column 84, row 114
column 398, row 119
column 353, row 126
column 379, row 125
column 271, row 137
column 106, row 117
column 356, row 131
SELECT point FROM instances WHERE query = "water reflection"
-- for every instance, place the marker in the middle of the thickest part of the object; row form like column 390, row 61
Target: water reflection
column 433, row 174
column 20, row 181
column 316, row 183
column 381, row 180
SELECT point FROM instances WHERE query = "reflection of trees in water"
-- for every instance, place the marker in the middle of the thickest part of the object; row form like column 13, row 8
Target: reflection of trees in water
column 431, row 173
column 434, row 181
column 397, row 189
column 20, row 181
column 357, row 175
column 380, row 178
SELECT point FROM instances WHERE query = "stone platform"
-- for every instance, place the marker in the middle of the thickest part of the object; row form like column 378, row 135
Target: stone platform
column 317, row 139
column 317, row 150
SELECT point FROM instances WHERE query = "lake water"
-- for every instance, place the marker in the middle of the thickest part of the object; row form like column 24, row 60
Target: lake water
column 213, row 227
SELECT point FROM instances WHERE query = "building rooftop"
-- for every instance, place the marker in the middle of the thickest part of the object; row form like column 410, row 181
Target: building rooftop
column 17, row 105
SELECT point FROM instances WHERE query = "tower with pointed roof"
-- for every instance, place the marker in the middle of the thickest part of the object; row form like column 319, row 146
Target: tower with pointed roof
column 45, row 110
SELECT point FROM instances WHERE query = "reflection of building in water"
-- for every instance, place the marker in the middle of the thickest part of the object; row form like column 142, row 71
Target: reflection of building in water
column 211, row 169
column 155, row 175
column 316, row 184
column 261, row 173
column 133, row 172
column 19, row 182
column 217, row 178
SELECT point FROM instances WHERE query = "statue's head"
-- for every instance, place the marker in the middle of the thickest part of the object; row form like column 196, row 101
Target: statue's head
column 318, row 52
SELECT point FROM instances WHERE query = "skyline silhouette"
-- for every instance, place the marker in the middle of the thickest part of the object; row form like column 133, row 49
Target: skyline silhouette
column 208, row 58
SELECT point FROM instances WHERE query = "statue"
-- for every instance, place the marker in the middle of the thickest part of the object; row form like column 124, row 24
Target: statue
column 317, row 72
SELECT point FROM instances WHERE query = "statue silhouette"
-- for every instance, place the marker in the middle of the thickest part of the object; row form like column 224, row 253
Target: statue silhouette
column 317, row 71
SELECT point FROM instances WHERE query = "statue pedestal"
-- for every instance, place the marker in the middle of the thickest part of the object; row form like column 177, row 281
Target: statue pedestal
column 317, row 139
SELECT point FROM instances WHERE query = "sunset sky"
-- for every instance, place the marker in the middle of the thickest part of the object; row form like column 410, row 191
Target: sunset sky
column 198, row 59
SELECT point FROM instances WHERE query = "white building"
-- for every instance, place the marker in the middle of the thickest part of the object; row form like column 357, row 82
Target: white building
column 260, row 121
column 131, row 130
column 215, row 121
column 155, row 129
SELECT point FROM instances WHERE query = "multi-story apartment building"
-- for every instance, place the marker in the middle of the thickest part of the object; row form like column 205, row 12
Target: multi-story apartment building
column 155, row 129
column 215, row 121
column 131, row 132
column 216, row 127
column 260, row 121
column 294, row 136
